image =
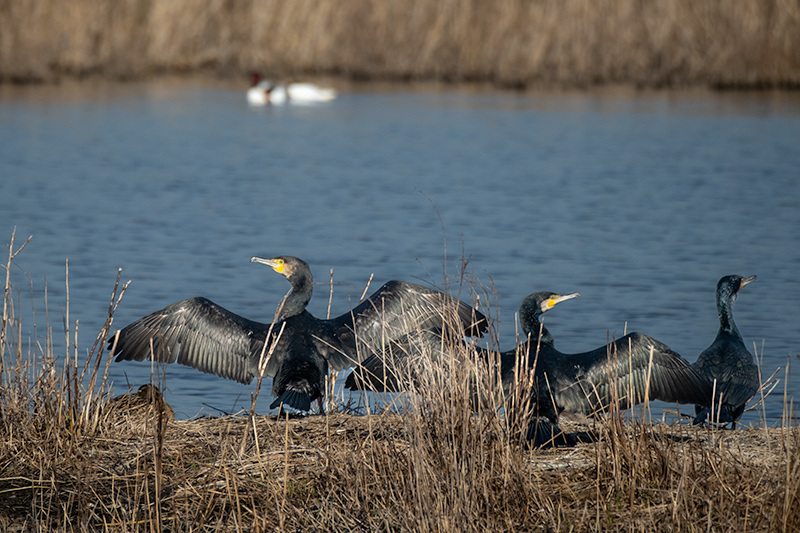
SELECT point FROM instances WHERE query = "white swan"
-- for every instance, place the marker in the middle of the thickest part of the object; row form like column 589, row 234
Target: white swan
column 275, row 93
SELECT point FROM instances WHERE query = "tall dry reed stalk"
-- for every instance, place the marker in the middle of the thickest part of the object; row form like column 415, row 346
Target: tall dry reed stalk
column 452, row 461
column 515, row 43
column 51, row 413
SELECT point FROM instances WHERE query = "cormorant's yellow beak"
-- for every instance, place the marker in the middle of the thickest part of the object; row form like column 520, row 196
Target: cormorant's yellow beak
column 557, row 298
column 277, row 264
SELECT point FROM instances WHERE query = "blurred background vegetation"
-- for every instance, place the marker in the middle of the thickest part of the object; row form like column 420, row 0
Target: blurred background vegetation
column 507, row 43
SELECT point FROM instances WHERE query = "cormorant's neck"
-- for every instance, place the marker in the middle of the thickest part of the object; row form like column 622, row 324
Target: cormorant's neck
column 532, row 327
column 725, row 312
column 546, row 338
column 296, row 302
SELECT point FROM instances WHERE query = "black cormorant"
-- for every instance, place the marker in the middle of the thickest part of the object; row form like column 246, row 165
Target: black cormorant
column 201, row 334
column 578, row 383
column 727, row 361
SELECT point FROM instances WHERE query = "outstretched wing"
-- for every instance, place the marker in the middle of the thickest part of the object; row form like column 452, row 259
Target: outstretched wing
column 620, row 370
column 399, row 362
column 394, row 311
column 196, row 333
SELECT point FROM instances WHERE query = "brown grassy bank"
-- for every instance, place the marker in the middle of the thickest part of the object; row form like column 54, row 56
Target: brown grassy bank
column 512, row 43
column 392, row 472
column 69, row 463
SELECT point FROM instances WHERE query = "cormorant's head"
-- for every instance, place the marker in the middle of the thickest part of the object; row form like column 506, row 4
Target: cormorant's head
column 728, row 286
column 292, row 268
column 537, row 303
column 544, row 301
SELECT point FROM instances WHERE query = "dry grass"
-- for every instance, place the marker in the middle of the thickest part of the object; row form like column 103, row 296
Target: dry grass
column 439, row 466
column 513, row 43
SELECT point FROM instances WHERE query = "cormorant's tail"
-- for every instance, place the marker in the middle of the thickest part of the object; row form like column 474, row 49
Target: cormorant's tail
column 293, row 398
column 543, row 432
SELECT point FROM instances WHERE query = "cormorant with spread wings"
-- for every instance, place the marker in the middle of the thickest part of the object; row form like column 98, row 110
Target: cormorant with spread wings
column 201, row 334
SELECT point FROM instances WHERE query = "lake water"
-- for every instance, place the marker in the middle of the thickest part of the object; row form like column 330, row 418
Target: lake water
column 640, row 202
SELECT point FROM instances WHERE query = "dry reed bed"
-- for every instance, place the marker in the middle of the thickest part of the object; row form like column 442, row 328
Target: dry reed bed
column 68, row 461
column 517, row 43
column 344, row 472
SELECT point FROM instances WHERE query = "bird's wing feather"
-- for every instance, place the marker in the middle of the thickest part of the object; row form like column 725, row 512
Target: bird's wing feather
column 621, row 370
column 400, row 361
column 731, row 364
column 373, row 374
column 197, row 333
column 395, row 310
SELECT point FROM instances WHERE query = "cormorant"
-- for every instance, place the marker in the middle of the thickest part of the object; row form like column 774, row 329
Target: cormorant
column 727, row 361
column 201, row 334
column 578, row 383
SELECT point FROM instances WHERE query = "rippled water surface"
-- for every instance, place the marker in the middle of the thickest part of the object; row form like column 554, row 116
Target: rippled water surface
column 639, row 202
